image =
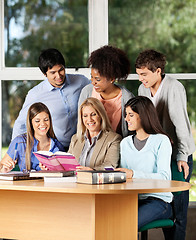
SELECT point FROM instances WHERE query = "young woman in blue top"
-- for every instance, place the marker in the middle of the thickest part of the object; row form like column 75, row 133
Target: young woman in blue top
column 147, row 154
column 39, row 136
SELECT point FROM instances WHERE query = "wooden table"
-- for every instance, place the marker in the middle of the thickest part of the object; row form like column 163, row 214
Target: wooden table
column 40, row 211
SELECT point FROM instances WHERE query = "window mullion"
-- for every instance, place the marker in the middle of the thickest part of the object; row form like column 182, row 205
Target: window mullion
column 2, row 56
column 2, row 62
column 98, row 23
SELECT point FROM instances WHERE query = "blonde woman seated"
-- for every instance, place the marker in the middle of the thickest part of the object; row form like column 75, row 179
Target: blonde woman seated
column 39, row 136
column 95, row 145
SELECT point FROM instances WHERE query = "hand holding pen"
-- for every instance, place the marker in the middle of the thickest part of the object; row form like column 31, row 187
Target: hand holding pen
column 15, row 152
column 7, row 163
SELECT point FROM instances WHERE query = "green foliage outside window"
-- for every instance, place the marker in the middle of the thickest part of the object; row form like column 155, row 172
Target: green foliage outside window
column 46, row 24
column 165, row 25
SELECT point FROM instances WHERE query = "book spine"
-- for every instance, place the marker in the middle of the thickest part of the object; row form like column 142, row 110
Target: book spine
column 113, row 177
column 16, row 178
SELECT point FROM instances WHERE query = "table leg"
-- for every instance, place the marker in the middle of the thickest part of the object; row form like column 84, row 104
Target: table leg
column 116, row 217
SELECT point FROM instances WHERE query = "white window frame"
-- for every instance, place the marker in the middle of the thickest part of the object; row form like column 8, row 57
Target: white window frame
column 98, row 36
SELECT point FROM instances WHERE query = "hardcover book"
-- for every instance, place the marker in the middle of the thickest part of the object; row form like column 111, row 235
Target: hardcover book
column 48, row 173
column 100, row 177
column 16, row 175
column 58, row 161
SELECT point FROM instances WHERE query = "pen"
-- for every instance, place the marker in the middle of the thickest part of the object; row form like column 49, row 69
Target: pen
column 15, row 152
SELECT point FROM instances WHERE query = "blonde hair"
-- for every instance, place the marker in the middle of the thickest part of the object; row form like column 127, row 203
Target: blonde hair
column 100, row 110
column 35, row 109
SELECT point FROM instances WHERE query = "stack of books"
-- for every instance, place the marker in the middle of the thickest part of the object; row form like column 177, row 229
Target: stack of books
column 17, row 175
column 55, row 176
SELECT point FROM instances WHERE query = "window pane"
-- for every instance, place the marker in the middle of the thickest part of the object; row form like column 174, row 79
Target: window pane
column 34, row 25
column 13, row 96
column 190, row 86
column 167, row 26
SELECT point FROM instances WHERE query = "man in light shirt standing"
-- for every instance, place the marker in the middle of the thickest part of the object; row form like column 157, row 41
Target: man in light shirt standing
column 59, row 92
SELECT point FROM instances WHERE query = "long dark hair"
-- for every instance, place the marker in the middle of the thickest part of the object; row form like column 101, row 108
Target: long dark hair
column 148, row 114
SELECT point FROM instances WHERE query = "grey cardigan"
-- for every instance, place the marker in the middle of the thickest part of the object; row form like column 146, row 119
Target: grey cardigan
column 126, row 95
column 172, row 112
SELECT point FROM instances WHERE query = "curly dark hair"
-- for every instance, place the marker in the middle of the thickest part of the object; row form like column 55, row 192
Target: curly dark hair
column 111, row 62
column 152, row 60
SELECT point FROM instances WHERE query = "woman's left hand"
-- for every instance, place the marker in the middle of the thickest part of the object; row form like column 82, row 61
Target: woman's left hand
column 129, row 172
column 83, row 168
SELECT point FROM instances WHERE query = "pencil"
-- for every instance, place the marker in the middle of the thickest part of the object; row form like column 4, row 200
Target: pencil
column 15, row 152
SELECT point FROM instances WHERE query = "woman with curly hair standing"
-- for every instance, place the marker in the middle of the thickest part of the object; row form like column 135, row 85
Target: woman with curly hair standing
column 108, row 65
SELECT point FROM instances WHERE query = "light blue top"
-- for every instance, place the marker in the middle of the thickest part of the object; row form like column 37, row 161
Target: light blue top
column 61, row 102
column 151, row 162
column 21, row 150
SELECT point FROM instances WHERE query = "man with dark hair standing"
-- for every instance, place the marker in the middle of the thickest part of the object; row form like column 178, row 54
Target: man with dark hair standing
column 59, row 92
column 169, row 98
